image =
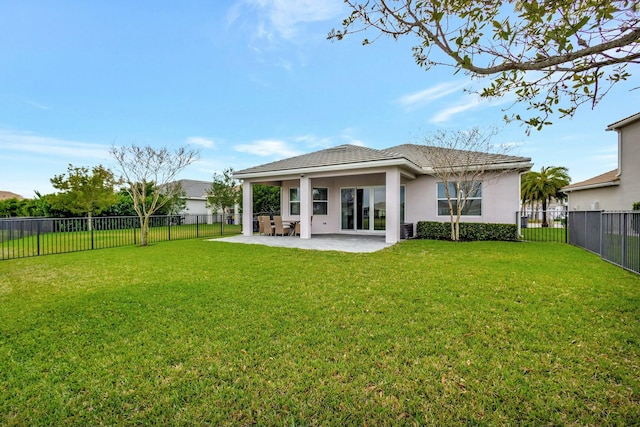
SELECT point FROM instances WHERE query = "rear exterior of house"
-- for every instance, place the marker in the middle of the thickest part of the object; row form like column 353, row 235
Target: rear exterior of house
column 357, row 190
column 617, row 189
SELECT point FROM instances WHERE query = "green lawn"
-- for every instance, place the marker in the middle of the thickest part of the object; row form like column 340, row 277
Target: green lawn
column 196, row 332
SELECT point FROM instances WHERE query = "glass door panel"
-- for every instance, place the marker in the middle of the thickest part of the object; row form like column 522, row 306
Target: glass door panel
column 380, row 208
column 364, row 208
column 348, row 198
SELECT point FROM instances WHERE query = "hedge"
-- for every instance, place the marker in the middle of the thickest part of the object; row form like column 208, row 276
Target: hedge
column 469, row 231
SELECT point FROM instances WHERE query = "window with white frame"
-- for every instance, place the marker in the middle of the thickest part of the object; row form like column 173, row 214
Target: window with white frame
column 320, row 201
column 320, row 198
column 294, row 201
column 471, row 190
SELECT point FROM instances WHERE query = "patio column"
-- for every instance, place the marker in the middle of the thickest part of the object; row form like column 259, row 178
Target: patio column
column 305, row 207
column 392, row 234
column 247, row 208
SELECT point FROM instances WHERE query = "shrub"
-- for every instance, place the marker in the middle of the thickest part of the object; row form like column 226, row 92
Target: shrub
column 635, row 218
column 469, row 231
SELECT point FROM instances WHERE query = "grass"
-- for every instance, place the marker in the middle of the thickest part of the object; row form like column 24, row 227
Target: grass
column 544, row 234
column 429, row 333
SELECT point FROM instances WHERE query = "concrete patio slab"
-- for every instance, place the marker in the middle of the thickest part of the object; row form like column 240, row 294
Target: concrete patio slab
column 318, row 242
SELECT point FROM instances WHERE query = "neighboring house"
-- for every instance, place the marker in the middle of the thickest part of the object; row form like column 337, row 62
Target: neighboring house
column 618, row 189
column 353, row 189
column 4, row 195
column 196, row 196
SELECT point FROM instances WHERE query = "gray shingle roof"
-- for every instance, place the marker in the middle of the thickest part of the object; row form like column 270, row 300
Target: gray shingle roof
column 419, row 154
column 353, row 154
column 195, row 189
column 340, row 155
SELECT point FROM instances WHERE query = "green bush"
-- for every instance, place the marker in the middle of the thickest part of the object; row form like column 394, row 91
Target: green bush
column 469, row 231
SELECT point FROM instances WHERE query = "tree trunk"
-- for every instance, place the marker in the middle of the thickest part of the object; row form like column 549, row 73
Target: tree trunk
column 144, row 231
column 544, row 214
column 89, row 221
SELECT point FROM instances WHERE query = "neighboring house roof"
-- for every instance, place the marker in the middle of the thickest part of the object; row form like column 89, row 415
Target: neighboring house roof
column 4, row 195
column 607, row 179
column 345, row 156
column 195, row 189
column 624, row 122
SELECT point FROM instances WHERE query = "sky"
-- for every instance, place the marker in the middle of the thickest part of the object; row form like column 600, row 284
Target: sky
column 245, row 82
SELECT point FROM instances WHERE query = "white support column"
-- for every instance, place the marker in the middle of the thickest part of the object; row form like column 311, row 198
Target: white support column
column 247, row 208
column 392, row 192
column 305, row 207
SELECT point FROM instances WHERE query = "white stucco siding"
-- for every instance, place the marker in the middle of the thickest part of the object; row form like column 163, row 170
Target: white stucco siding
column 196, row 207
column 630, row 167
column 500, row 200
column 605, row 198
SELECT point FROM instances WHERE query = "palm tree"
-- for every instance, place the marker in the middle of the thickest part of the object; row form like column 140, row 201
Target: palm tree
column 544, row 186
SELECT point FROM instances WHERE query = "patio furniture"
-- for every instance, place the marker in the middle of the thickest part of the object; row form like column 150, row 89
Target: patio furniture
column 266, row 227
column 280, row 229
column 294, row 227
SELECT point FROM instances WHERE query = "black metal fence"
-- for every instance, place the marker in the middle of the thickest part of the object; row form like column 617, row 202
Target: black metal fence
column 26, row 237
column 585, row 230
column 615, row 236
column 543, row 226
column 620, row 241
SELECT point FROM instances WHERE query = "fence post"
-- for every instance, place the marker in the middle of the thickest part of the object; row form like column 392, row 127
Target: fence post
column 90, row 224
column 39, row 223
column 197, row 225
column 169, row 227
column 624, row 239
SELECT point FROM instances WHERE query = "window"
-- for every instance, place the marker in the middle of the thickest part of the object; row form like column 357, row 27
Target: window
column 320, row 201
column 320, row 198
column 294, row 201
column 473, row 206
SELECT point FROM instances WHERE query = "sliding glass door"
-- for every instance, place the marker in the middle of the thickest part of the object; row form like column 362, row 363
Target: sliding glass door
column 363, row 208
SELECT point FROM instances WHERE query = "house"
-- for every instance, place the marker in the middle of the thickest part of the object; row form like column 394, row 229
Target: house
column 353, row 189
column 4, row 195
column 617, row 189
column 196, row 200
column 196, row 196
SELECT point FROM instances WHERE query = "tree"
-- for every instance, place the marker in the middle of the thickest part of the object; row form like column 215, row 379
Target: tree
column 224, row 192
column 149, row 175
column 266, row 199
column 464, row 162
column 544, row 186
column 85, row 192
column 551, row 54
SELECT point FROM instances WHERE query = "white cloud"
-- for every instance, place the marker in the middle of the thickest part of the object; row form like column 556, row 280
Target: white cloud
column 268, row 147
column 446, row 114
column 282, row 18
column 43, row 145
column 424, row 97
column 466, row 103
column 203, row 142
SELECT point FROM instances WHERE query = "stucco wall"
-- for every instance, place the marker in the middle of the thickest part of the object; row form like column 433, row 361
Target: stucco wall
column 500, row 199
column 605, row 198
column 630, row 162
column 622, row 196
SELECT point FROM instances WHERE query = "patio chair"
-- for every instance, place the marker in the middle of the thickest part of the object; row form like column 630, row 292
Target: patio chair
column 266, row 227
column 280, row 228
column 296, row 229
